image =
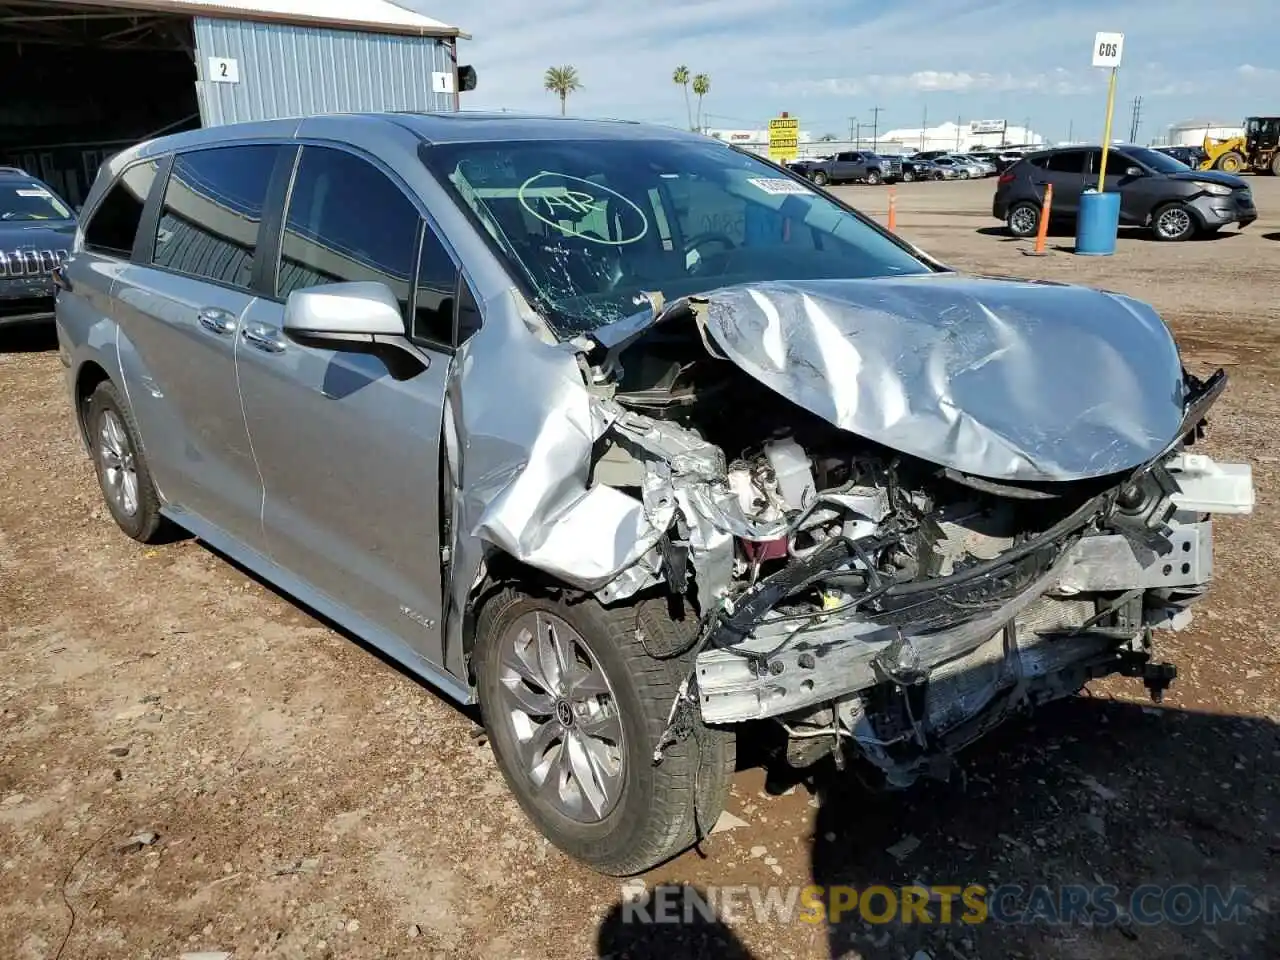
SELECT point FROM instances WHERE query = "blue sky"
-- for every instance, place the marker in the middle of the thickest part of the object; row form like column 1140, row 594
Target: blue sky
column 828, row 60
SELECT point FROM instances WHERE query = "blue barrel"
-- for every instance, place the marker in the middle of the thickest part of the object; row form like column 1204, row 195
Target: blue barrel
column 1097, row 223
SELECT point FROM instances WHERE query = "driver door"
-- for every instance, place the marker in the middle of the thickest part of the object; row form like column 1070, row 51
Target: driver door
column 346, row 435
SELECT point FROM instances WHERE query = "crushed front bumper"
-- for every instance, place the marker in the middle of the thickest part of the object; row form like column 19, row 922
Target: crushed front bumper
column 772, row 673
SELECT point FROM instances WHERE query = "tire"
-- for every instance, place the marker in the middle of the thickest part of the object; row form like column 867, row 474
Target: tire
column 873, row 177
column 121, row 466
column 908, row 176
column 964, row 174
column 1173, row 222
column 1023, row 219
column 657, row 810
column 1229, row 162
column 820, row 178
column 1275, row 164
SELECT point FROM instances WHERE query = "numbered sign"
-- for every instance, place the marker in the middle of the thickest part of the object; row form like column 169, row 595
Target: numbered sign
column 1107, row 49
column 442, row 81
column 224, row 70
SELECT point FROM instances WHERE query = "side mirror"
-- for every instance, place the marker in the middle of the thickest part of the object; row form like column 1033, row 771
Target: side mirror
column 344, row 311
column 1133, row 171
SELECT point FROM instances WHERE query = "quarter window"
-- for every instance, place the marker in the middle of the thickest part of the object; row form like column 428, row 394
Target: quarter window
column 114, row 225
column 348, row 222
column 212, row 211
column 437, row 282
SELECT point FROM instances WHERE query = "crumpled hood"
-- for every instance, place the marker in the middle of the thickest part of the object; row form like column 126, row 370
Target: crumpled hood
column 1003, row 379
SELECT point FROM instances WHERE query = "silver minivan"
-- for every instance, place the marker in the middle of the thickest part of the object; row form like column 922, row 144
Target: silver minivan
column 633, row 437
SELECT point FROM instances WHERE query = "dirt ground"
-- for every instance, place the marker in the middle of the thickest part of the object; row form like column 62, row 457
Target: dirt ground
column 189, row 762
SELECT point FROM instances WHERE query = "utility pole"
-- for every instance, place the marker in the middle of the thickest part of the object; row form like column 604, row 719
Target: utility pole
column 853, row 126
column 1137, row 119
column 957, row 133
column 924, row 125
column 875, row 125
column 1071, row 131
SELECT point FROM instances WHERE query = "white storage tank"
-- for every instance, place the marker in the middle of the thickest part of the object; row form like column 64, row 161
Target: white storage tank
column 1191, row 133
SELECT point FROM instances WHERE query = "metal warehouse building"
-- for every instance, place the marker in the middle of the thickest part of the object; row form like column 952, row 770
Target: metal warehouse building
column 84, row 79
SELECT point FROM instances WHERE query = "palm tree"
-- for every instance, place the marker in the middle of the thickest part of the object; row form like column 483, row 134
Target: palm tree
column 561, row 81
column 701, row 87
column 681, row 76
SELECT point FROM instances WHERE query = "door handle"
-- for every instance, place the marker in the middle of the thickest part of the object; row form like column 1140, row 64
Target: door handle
column 264, row 337
column 216, row 320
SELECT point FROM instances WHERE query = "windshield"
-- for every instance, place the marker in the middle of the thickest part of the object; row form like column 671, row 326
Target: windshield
column 590, row 225
column 30, row 201
column 1160, row 162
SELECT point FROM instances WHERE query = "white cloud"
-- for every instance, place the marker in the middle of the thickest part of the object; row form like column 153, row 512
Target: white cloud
column 1059, row 81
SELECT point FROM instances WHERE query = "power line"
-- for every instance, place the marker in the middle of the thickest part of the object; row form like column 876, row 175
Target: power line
column 875, row 126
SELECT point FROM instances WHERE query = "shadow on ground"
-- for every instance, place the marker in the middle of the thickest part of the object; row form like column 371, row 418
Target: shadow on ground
column 28, row 338
column 1091, row 793
column 1275, row 235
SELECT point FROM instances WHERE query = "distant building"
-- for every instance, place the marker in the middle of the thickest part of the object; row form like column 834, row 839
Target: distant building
column 962, row 137
column 1191, row 133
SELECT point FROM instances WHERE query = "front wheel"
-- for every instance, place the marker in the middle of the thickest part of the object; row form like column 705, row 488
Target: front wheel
column 873, row 177
column 1230, row 162
column 908, row 176
column 1173, row 222
column 1275, row 164
column 964, row 174
column 575, row 696
column 820, row 178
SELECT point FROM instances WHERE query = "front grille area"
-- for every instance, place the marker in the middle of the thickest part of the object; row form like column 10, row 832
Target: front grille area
column 25, row 307
column 29, row 263
column 893, row 165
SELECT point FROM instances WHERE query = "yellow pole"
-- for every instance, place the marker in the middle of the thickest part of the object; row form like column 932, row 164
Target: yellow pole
column 1106, row 136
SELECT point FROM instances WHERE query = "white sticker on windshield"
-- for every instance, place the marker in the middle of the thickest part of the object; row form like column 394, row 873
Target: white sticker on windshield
column 778, row 186
column 33, row 193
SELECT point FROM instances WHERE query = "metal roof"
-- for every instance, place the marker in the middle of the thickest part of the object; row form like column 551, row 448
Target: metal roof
column 378, row 16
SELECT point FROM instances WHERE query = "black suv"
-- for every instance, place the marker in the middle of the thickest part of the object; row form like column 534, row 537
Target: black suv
column 36, row 230
column 1155, row 190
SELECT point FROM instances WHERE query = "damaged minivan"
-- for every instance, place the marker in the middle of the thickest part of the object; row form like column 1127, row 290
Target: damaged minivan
column 640, row 442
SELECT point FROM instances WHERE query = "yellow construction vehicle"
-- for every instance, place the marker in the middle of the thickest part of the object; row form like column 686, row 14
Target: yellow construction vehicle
column 1258, row 150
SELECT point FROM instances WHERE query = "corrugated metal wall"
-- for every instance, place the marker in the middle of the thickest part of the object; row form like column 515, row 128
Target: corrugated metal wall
column 287, row 71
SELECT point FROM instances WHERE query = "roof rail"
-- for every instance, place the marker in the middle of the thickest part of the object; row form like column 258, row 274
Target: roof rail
column 17, row 170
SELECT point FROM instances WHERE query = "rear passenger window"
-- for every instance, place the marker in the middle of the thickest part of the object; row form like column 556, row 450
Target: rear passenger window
column 1069, row 161
column 347, row 222
column 212, row 210
column 114, row 225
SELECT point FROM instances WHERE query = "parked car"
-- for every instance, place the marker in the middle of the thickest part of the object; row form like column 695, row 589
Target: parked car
column 985, row 167
column 964, row 169
column 916, row 169
column 36, row 231
column 1155, row 190
column 1190, row 156
column 509, row 399
column 849, row 166
column 1000, row 160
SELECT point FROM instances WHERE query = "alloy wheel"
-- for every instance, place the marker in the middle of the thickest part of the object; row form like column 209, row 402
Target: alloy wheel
column 1024, row 220
column 563, row 715
column 1173, row 222
column 119, row 467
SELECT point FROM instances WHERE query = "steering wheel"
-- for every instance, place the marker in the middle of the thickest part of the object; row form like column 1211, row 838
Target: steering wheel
column 711, row 236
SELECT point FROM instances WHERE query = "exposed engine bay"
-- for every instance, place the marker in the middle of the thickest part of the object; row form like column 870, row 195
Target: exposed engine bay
column 870, row 599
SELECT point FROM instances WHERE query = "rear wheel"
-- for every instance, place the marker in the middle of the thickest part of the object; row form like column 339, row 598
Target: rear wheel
column 120, row 465
column 964, row 174
column 1229, row 162
column 575, row 704
column 1275, row 164
column 1024, row 219
column 1173, row 222
column 820, row 178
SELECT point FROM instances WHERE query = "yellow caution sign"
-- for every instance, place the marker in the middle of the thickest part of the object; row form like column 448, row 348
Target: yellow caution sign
column 784, row 138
